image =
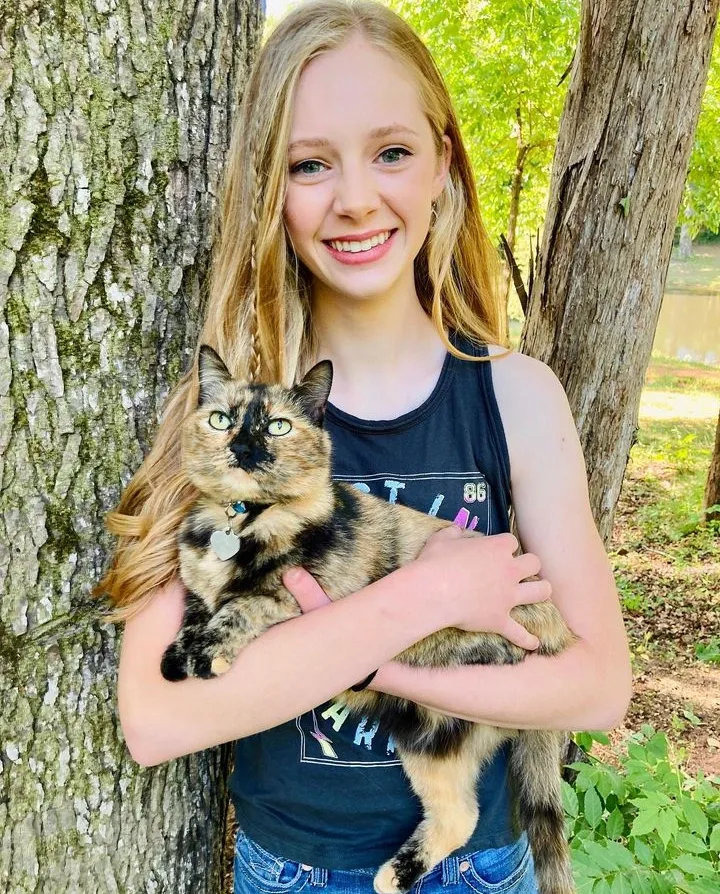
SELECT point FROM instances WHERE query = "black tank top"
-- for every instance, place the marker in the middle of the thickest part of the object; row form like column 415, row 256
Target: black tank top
column 327, row 789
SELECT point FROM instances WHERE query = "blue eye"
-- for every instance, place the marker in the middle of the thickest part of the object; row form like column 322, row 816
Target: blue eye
column 278, row 427
column 303, row 167
column 397, row 151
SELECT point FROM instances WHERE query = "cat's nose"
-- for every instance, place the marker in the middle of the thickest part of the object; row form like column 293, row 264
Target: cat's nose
column 240, row 450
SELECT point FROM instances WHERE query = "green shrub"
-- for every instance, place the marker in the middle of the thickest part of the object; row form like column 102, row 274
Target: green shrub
column 646, row 828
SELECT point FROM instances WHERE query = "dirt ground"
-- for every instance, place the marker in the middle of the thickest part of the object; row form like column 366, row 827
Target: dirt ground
column 680, row 606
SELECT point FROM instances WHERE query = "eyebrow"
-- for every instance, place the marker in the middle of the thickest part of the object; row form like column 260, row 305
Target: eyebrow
column 377, row 133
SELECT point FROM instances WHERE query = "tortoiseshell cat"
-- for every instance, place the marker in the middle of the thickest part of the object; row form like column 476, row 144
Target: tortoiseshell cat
column 261, row 461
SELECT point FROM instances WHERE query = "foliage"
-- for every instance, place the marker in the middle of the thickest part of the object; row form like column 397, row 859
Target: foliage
column 645, row 828
column 709, row 651
column 503, row 61
column 701, row 200
column 675, row 454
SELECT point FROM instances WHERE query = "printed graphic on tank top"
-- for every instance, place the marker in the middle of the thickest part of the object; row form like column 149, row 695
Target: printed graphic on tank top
column 468, row 497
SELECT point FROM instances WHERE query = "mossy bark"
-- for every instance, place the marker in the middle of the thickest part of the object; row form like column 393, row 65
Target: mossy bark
column 625, row 138
column 116, row 121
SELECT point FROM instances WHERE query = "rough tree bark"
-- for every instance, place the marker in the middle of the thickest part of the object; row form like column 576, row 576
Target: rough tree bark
column 115, row 123
column 712, row 487
column 625, row 139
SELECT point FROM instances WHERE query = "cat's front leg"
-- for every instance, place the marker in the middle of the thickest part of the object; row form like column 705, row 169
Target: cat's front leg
column 196, row 617
column 233, row 627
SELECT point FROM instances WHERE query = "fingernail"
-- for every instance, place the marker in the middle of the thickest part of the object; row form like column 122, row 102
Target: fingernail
column 293, row 575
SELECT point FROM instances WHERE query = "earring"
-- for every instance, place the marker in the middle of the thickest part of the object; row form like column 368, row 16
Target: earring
column 433, row 214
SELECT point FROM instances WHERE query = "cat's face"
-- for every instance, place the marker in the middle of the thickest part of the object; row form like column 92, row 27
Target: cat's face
column 260, row 443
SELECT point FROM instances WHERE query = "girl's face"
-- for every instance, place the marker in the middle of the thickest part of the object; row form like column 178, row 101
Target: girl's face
column 363, row 172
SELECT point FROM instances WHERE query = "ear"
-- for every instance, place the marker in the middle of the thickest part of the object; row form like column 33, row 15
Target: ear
column 212, row 373
column 313, row 392
column 442, row 168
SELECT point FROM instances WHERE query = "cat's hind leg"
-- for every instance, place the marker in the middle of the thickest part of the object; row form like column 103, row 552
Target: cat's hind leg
column 446, row 786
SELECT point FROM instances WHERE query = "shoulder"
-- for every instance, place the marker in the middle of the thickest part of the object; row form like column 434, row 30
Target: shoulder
column 526, row 389
column 534, row 409
column 516, row 375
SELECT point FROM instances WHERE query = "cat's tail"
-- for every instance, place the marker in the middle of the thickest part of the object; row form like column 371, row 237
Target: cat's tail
column 535, row 768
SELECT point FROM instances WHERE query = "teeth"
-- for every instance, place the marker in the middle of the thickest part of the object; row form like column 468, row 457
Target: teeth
column 365, row 245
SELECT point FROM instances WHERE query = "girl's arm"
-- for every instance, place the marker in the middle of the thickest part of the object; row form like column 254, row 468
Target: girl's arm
column 308, row 660
column 589, row 685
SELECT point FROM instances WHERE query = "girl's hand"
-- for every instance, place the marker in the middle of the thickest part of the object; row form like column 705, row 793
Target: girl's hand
column 477, row 581
column 307, row 592
column 474, row 581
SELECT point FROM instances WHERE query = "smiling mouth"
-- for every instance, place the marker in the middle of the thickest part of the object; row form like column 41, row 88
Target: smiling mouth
column 354, row 247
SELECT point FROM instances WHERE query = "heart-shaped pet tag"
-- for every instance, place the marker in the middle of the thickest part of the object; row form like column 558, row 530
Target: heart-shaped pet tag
column 225, row 544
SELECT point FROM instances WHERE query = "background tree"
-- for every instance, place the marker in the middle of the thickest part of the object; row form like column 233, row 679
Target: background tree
column 701, row 199
column 625, row 139
column 115, row 124
column 504, row 61
column 712, row 488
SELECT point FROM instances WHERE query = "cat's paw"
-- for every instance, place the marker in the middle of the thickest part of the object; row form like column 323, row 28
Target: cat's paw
column 174, row 663
column 211, row 661
column 385, row 881
column 219, row 665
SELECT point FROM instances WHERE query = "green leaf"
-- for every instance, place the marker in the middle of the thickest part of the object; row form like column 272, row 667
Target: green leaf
column 585, row 778
column 592, row 807
column 715, row 839
column 620, row 855
column 691, row 843
column 621, row 884
column 584, row 866
column 643, row 852
column 667, row 825
column 646, row 821
column 602, row 857
column 584, row 740
column 602, row 886
column 570, row 799
column 695, row 865
column 625, row 204
column 658, row 746
column 642, row 883
column 584, row 884
column 704, row 886
column 695, row 816
column 615, row 824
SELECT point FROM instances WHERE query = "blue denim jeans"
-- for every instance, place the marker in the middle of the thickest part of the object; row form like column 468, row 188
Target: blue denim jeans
column 506, row 870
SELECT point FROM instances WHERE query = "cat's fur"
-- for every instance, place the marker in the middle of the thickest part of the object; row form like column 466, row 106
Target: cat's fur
column 296, row 515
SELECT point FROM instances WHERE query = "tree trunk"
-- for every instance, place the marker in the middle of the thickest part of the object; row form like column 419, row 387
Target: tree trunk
column 712, row 488
column 116, row 124
column 685, row 247
column 625, row 139
column 515, row 190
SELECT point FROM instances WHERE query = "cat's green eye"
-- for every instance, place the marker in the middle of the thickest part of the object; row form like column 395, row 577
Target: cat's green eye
column 220, row 421
column 279, row 427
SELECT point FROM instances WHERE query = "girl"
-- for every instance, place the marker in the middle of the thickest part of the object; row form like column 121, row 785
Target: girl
column 351, row 231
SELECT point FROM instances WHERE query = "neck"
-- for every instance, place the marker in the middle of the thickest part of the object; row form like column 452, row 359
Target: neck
column 386, row 355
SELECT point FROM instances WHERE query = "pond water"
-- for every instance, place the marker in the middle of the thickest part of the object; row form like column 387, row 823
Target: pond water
column 689, row 327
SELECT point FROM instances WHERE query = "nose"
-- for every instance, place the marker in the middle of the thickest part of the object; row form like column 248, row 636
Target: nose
column 356, row 193
column 240, row 450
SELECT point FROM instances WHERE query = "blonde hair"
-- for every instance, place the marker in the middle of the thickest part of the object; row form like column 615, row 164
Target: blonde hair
column 258, row 313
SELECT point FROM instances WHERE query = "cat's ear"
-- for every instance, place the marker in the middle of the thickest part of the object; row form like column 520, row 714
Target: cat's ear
column 314, row 390
column 212, row 373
